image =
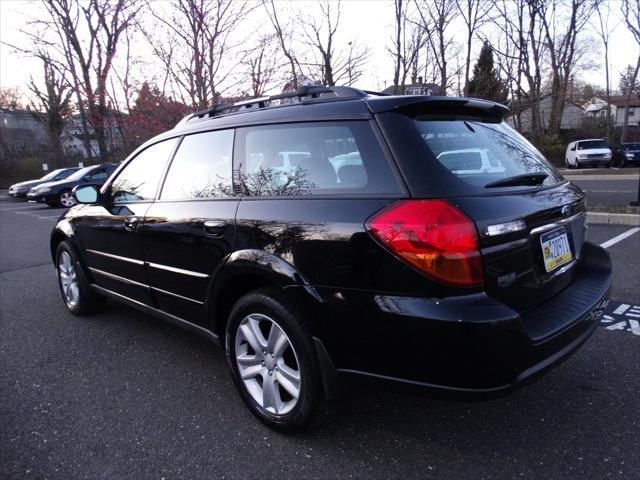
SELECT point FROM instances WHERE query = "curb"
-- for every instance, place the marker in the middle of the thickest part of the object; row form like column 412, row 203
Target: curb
column 603, row 218
column 602, row 177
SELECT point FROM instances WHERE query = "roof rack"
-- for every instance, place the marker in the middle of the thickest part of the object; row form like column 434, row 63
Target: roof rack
column 301, row 94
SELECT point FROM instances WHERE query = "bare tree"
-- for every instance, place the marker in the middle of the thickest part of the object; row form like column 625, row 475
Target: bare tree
column 90, row 58
column 561, row 33
column 399, row 18
column 604, row 29
column 10, row 97
column 474, row 13
column 631, row 15
column 284, row 39
column 262, row 64
column 436, row 17
column 54, row 101
column 520, row 24
column 335, row 66
column 193, row 42
column 409, row 39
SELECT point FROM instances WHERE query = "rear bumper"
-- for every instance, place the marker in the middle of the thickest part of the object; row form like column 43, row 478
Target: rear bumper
column 464, row 344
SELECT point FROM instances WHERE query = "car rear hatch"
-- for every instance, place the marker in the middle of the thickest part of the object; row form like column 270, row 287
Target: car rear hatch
column 530, row 221
column 517, row 232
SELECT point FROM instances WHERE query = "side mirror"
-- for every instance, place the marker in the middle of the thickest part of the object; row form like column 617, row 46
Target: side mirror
column 573, row 149
column 86, row 193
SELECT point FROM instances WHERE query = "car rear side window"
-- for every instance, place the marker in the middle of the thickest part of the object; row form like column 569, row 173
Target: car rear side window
column 201, row 168
column 139, row 179
column 311, row 159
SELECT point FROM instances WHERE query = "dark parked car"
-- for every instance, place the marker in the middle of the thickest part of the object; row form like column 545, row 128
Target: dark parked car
column 394, row 265
column 21, row 189
column 58, row 193
column 627, row 154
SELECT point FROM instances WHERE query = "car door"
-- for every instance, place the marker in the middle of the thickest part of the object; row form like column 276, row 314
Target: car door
column 108, row 231
column 190, row 229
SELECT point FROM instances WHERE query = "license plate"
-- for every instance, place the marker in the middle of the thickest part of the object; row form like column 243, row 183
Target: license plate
column 555, row 248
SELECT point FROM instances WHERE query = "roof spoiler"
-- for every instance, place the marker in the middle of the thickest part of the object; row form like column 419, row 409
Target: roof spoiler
column 416, row 105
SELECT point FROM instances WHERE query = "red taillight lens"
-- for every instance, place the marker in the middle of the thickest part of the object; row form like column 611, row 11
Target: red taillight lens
column 433, row 236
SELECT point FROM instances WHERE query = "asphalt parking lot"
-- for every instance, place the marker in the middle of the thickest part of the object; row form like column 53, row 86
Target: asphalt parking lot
column 123, row 395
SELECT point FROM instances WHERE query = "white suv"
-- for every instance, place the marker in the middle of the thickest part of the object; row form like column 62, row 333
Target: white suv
column 591, row 152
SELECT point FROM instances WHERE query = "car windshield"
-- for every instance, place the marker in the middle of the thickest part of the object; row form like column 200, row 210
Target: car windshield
column 592, row 144
column 51, row 175
column 79, row 174
column 480, row 153
column 631, row 146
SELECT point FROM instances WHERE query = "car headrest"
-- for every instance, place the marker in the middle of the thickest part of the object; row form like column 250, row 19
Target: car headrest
column 352, row 175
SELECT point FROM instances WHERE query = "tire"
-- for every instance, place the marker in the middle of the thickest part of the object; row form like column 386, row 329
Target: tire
column 292, row 365
column 65, row 199
column 568, row 165
column 76, row 293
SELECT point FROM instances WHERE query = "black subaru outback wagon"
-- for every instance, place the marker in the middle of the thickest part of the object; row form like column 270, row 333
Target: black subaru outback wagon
column 338, row 233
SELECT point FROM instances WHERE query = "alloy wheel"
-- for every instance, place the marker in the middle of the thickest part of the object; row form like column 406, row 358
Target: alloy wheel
column 68, row 279
column 267, row 364
column 67, row 200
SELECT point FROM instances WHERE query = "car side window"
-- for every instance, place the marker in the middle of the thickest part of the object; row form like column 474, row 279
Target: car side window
column 97, row 176
column 311, row 159
column 201, row 168
column 139, row 180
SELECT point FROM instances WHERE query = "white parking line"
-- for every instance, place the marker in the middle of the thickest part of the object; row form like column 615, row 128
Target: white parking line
column 625, row 317
column 18, row 207
column 620, row 237
column 29, row 212
column 51, row 216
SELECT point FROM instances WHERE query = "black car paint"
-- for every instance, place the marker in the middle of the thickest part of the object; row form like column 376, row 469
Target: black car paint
column 29, row 184
column 620, row 154
column 57, row 187
column 370, row 313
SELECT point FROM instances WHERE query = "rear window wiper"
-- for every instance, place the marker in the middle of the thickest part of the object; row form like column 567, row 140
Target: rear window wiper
column 535, row 178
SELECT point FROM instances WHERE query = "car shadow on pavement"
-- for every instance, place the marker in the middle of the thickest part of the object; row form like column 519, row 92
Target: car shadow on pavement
column 560, row 419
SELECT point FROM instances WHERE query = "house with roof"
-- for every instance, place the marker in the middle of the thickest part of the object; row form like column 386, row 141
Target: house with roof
column 572, row 115
column 596, row 109
column 21, row 131
column 416, row 87
column 74, row 139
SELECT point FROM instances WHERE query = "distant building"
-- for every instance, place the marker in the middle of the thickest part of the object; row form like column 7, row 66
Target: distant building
column 73, row 136
column 416, row 87
column 25, row 131
column 572, row 116
column 596, row 109
column 21, row 131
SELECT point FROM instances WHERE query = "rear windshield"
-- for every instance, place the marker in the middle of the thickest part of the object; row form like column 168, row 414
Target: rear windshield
column 480, row 153
column 592, row 144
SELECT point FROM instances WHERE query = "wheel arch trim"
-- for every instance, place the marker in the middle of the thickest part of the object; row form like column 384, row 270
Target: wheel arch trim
column 264, row 267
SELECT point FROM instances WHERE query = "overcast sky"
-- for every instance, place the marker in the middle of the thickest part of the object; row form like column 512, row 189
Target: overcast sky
column 371, row 22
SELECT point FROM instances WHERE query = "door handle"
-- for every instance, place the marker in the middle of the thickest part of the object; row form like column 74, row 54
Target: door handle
column 131, row 224
column 215, row 227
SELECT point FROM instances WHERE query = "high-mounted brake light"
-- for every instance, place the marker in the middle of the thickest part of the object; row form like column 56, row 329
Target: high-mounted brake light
column 433, row 236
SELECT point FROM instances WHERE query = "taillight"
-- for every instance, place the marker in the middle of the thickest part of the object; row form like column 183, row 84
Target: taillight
column 433, row 236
